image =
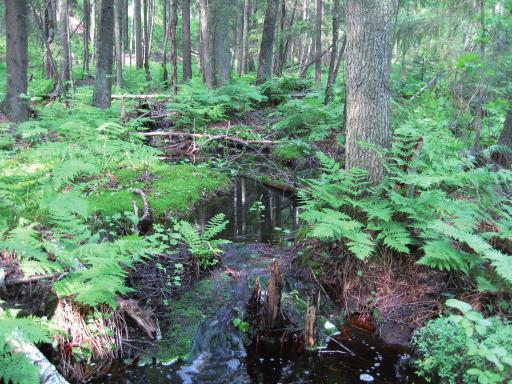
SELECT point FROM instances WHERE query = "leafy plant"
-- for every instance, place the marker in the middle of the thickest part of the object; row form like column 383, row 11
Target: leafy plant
column 202, row 246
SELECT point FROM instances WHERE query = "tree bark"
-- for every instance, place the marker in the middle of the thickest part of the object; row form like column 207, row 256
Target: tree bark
column 87, row 37
column 245, row 33
column 318, row 43
column 267, row 42
column 284, row 53
column 174, row 45
column 126, row 36
column 479, row 108
column 118, row 21
column 147, row 41
column 49, row 36
column 304, row 41
column 334, row 52
column 502, row 157
column 15, row 105
column 282, row 24
column 103, row 83
column 220, row 29
column 205, row 44
column 185, row 36
column 166, row 36
column 137, row 20
column 368, row 115
column 65, row 55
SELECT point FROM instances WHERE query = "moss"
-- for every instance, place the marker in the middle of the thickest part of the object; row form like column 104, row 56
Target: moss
column 289, row 152
column 170, row 188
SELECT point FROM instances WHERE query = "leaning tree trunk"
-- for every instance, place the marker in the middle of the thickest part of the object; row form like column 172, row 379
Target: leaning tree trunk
column 504, row 155
column 174, row 47
column 318, row 43
column 147, row 41
column 267, row 42
column 118, row 21
column 334, row 52
column 65, row 55
column 185, row 36
column 102, row 94
column 15, row 105
column 368, row 119
column 137, row 20
column 205, row 44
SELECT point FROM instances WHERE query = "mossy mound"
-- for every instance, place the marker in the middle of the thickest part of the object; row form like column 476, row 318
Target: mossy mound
column 170, row 189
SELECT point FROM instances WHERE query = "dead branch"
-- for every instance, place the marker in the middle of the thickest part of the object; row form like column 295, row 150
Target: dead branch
column 145, row 219
column 209, row 138
column 139, row 315
column 422, row 89
column 141, row 97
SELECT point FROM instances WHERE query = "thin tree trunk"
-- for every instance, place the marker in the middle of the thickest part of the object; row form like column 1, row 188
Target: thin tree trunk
column 282, row 24
column 97, row 16
column 126, row 36
column 65, row 55
column 205, row 44
column 368, row 115
column 146, row 41
column 479, row 108
column 87, row 36
column 166, row 35
column 174, row 45
column 284, row 53
column 137, row 20
column 245, row 42
column 93, row 29
column 185, row 36
column 267, row 42
column 334, row 52
column 118, row 21
column 49, row 36
column 504, row 157
column 15, row 105
column 101, row 97
column 304, row 43
column 318, row 43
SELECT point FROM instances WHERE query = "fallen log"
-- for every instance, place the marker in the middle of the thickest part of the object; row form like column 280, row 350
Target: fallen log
column 141, row 97
column 48, row 374
column 208, row 137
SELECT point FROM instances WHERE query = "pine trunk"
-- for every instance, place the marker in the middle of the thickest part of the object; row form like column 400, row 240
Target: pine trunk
column 16, row 15
column 137, row 20
column 65, row 55
column 101, row 97
column 245, row 41
column 334, row 52
column 267, row 42
column 205, row 44
column 220, row 28
column 118, row 16
column 87, row 36
column 187, row 48
column 318, row 43
column 368, row 114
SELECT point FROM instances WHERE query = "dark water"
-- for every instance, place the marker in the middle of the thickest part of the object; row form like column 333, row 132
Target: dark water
column 218, row 354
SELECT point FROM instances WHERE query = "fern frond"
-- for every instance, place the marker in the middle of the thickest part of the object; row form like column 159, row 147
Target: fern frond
column 395, row 236
column 215, row 225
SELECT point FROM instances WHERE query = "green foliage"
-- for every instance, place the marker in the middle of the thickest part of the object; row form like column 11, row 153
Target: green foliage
column 202, row 246
column 465, row 348
column 13, row 331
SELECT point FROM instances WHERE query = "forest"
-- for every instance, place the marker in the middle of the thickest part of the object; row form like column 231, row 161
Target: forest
column 256, row 191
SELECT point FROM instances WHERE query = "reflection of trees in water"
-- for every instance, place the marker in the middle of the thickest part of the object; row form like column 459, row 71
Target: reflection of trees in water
column 278, row 210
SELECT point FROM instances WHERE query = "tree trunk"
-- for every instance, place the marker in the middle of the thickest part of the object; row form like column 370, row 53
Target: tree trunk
column 65, row 55
column 504, row 156
column 479, row 108
column 101, row 97
column 15, row 105
column 49, row 36
column 118, row 16
column 281, row 38
column 137, row 20
column 267, row 42
column 146, row 41
column 334, row 52
column 174, row 45
column 87, row 36
column 185, row 36
column 245, row 33
column 304, row 43
column 220, row 29
column 205, row 44
column 126, row 36
column 369, row 48
column 318, row 43
column 166, row 36
column 284, row 54
column 94, row 7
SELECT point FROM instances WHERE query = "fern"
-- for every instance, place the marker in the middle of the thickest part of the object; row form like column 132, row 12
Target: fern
column 441, row 254
column 67, row 171
column 395, row 236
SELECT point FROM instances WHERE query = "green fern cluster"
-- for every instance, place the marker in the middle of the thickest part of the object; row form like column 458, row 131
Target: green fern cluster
column 202, row 246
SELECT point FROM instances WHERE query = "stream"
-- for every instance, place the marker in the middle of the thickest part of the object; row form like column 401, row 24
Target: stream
column 260, row 215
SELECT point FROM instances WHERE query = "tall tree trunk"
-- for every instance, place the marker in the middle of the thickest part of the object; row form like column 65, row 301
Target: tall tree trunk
column 166, row 37
column 267, row 42
column 65, row 55
column 221, row 33
column 118, row 21
column 239, row 38
column 282, row 23
column 304, row 43
column 94, row 8
column 15, row 105
column 174, row 45
column 318, row 43
column 284, row 53
column 332, row 81
column 334, row 51
column 126, row 36
column 185, row 36
column 146, row 41
column 245, row 33
column 479, row 108
column 49, row 24
column 504, row 157
column 87, row 36
column 102, row 94
column 137, row 20
column 205, row 44
column 369, row 48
